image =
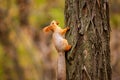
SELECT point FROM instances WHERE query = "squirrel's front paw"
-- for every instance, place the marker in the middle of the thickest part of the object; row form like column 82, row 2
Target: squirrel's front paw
column 68, row 28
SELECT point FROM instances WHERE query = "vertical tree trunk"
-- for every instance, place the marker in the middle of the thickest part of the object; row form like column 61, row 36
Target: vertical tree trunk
column 48, row 72
column 24, row 9
column 89, row 35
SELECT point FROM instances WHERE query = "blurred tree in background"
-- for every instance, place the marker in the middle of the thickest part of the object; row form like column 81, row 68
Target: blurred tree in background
column 115, row 39
column 10, row 68
column 26, row 53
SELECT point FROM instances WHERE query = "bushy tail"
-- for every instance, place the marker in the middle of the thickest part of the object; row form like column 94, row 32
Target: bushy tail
column 61, row 70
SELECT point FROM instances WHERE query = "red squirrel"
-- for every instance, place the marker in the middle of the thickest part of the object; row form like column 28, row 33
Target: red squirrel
column 61, row 45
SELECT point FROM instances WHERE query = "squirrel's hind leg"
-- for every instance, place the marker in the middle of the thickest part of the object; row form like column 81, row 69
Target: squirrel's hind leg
column 68, row 47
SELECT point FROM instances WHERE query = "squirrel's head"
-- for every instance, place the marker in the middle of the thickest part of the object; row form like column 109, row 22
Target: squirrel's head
column 53, row 25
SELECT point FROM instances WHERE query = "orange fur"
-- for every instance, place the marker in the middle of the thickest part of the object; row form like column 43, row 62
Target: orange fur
column 61, row 45
column 65, row 30
column 68, row 47
column 58, row 36
column 47, row 29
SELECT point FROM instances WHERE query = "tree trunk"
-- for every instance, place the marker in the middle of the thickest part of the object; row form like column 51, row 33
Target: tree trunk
column 24, row 9
column 89, row 35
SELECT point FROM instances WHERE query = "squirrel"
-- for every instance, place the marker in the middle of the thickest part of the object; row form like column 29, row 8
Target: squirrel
column 61, row 45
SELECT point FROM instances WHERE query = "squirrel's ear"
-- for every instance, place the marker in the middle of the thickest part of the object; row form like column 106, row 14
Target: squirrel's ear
column 47, row 29
column 57, row 23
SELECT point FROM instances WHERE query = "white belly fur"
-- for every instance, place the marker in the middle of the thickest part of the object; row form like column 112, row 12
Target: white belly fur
column 58, row 41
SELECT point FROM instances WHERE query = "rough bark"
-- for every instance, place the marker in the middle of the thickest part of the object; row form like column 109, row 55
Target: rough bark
column 89, row 35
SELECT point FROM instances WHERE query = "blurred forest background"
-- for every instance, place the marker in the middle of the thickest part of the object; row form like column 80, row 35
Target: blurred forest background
column 26, row 53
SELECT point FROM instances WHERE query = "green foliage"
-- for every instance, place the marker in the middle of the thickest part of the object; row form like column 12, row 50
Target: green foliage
column 1, row 62
column 40, row 2
column 115, row 20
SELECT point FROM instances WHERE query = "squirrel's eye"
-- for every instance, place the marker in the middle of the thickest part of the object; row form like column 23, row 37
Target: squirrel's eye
column 52, row 23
